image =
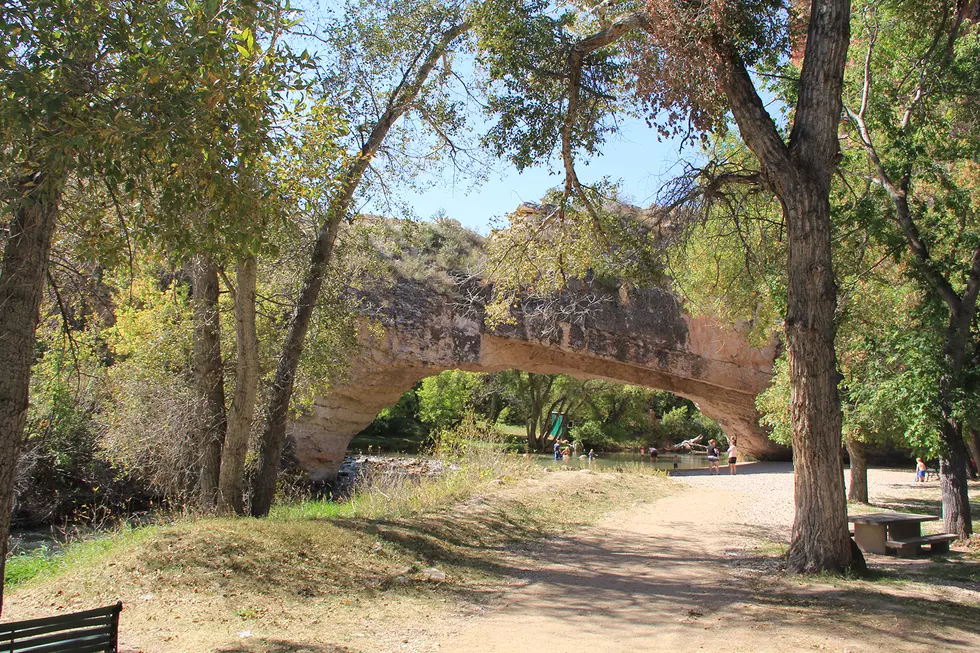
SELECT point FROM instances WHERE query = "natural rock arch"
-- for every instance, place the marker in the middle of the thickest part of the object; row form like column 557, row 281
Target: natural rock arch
column 641, row 338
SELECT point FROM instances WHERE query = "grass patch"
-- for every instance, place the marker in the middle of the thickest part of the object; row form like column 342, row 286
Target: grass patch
column 769, row 548
column 41, row 563
column 312, row 556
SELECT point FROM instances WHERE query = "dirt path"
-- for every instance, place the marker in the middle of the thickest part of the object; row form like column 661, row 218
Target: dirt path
column 674, row 575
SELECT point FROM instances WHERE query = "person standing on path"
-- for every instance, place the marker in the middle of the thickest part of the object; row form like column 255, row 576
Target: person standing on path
column 714, row 454
column 732, row 457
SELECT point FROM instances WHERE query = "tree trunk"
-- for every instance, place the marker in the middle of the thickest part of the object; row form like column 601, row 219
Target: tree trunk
column 800, row 173
column 231, row 484
column 22, row 272
column 494, row 407
column 973, row 446
column 953, row 482
column 530, row 429
column 281, row 392
column 820, row 539
column 208, row 376
column 858, row 490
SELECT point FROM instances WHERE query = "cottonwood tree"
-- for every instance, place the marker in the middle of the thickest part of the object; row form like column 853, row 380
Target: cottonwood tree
column 390, row 60
column 87, row 91
column 911, row 113
column 548, row 398
column 688, row 64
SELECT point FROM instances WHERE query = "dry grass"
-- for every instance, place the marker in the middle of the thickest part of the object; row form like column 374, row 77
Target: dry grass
column 203, row 584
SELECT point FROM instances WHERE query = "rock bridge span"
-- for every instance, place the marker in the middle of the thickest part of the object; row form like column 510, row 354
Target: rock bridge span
column 641, row 338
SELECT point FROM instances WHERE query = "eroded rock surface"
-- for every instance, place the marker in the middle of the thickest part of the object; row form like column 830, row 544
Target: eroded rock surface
column 641, row 338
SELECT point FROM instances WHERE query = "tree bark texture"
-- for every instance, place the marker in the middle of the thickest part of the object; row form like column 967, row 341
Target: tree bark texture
column 858, row 490
column 820, row 539
column 231, row 484
column 957, row 517
column 208, row 376
column 34, row 216
column 277, row 411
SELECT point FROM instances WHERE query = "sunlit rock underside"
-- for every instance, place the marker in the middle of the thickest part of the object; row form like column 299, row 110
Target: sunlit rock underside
column 641, row 338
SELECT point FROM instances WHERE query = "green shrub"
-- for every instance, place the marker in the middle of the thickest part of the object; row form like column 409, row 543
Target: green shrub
column 591, row 436
column 683, row 424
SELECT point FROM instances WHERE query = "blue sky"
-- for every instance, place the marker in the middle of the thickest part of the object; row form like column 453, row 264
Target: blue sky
column 633, row 157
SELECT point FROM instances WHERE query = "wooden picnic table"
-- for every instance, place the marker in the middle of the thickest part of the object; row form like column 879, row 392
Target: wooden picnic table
column 874, row 531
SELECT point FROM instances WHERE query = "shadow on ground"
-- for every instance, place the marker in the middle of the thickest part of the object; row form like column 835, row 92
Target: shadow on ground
column 263, row 645
column 611, row 580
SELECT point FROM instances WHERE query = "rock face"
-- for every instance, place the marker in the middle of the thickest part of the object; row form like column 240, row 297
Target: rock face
column 641, row 338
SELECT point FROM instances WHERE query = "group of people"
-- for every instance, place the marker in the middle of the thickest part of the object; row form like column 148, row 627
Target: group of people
column 565, row 450
column 714, row 457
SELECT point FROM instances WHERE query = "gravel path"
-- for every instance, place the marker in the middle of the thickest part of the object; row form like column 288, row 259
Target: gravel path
column 764, row 494
column 677, row 575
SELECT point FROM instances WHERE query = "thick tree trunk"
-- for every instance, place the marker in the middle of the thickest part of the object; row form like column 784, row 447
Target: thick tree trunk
column 858, row 490
column 281, row 392
column 820, row 539
column 208, row 376
column 953, row 482
column 957, row 517
column 22, row 272
column 231, row 485
column 799, row 173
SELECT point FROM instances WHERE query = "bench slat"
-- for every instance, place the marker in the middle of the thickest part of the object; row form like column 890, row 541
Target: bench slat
column 90, row 631
column 100, row 642
column 105, row 622
column 78, row 635
column 61, row 618
column 101, row 645
column 925, row 539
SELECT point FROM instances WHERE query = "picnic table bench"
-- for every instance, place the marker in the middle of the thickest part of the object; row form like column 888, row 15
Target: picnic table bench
column 899, row 532
column 91, row 631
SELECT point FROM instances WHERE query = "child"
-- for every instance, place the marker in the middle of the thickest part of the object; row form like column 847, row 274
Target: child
column 676, row 461
column 920, row 471
column 714, row 454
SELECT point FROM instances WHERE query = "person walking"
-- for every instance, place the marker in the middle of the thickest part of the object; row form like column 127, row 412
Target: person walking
column 714, row 455
column 732, row 457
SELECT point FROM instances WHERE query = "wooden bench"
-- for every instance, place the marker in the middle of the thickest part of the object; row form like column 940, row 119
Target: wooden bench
column 92, row 631
column 909, row 547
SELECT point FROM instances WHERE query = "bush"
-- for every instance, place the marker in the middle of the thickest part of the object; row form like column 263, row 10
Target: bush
column 682, row 424
column 591, row 435
column 63, row 473
column 444, row 399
